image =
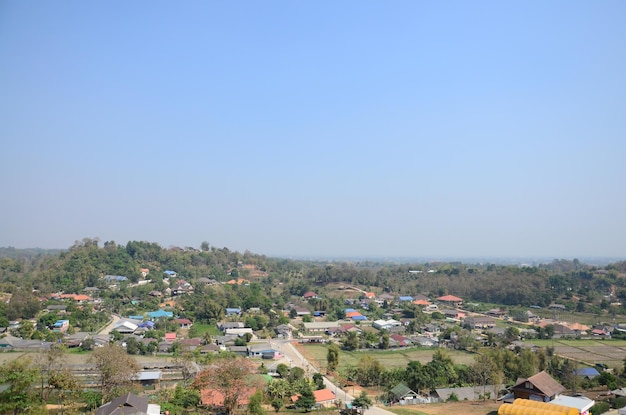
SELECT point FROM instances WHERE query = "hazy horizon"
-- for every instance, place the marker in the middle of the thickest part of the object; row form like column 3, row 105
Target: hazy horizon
column 351, row 129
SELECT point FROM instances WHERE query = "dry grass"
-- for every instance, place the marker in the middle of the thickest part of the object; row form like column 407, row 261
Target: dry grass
column 464, row 408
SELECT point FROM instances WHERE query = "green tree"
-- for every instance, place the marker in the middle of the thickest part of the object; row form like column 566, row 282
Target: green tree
column 332, row 357
column 19, row 375
column 65, row 384
column 362, row 402
column 255, row 404
column 306, row 400
column 384, row 341
column 277, row 404
column 318, row 381
column 351, row 341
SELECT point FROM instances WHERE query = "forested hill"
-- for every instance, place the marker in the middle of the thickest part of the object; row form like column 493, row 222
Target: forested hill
column 87, row 262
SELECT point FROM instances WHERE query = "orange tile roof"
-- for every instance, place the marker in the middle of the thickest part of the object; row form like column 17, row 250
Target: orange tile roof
column 370, row 295
column 324, row 395
column 421, row 302
column 212, row 397
column 351, row 314
column 449, row 298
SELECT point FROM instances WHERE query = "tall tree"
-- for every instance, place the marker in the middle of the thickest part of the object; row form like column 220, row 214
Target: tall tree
column 484, row 371
column 65, row 384
column 230, row 377
column 332, row 357
column 19, row 375
column 116, row 369
column 306, row 400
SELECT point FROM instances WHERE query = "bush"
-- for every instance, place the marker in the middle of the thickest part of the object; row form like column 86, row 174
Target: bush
column 600, row 408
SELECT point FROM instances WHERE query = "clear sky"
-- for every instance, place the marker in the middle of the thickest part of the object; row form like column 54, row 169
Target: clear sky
column 321, row 128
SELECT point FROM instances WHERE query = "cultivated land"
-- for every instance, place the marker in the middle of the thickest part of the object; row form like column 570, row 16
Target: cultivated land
column 609, row 352
column 316, row 354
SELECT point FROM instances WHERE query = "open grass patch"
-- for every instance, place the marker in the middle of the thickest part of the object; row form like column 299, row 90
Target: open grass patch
column 202, row 328
column 388, row 358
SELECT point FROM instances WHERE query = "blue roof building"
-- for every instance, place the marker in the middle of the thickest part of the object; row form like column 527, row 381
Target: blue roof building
column 137, row 317
column 233, row 311
column 405, row 298
column 160, row 314
column 359, row 318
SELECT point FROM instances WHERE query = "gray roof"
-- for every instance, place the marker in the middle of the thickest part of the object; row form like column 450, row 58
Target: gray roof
column 401, row 390
column 469, row 393
column 128, row 404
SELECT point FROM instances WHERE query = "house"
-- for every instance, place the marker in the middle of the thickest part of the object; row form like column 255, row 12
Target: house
column 225, row 325
column 540, row 387
column 309, row 295
column 76, row 339
column 209, row 348
column 453, row 314
column 469, row 393
column 386, row 297
column 301, row 311
column 182, row 287
column 386, row 324
column 422, row 303
column 189, row 345
column 207, row 281
column 150, row 379
column 370, row 295
column 233, row 311
column 61, row 326
column 405, row 298
column 450, row 300
column 283, row 331
column 320, row 326
column 129, row 404
column 170, row 274
column 144, row 272
column 324, row 398
column 397, row 340
column 263, row 351
column 170, row 337
column 215, row 399
column 58, row 308
column 480, row 322
column 184, row 323
column 160, row 314
column 240, row 331
column 115, row 278
column 497, row 312
column 240, row 350
column 126, row 326
column 404, row 395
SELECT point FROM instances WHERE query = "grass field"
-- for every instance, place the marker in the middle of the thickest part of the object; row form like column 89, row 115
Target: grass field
column 202, row 328
column 316, row 354
column 590, row 352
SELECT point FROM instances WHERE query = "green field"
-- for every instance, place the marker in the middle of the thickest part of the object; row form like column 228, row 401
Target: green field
column 207, row 328
column 388, row 358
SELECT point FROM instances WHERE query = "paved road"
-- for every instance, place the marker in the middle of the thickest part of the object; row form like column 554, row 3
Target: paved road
column 295, row 357
column 114, row 319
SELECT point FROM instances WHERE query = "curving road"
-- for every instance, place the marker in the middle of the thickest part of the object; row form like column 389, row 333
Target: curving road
column 295, row 357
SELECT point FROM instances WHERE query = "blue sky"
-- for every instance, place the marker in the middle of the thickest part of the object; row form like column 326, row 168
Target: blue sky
column 324, row 128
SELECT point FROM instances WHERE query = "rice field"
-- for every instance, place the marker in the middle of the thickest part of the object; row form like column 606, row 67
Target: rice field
column 316, row 354
column 589, row 351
